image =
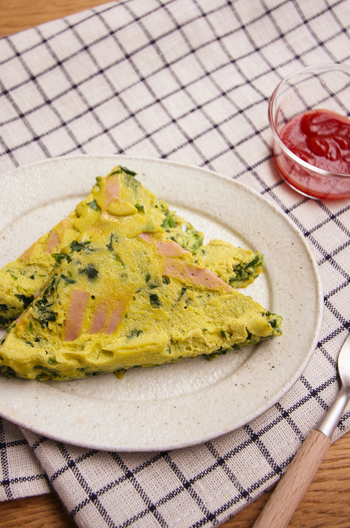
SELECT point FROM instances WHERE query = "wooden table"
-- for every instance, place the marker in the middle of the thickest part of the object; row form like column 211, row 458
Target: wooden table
column 327, row 502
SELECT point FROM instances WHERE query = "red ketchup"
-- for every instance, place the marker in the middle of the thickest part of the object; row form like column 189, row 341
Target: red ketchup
column 322, row 139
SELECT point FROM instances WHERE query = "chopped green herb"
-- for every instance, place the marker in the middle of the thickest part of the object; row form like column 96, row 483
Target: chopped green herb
column 8, row 372
column 140, row 208
column 78, row 246
column 45, row 372
column 47, row 316
column 217, row 353
column 94, row 205
column 183, row 291
column 243, row 272
column 68, row 280
column 50, row 286
column 127, row 171
column 198, row 241
column 52, row 361
column 134, row 333
column 90, row 271
column 58, row 258
column 255, row 261
column 154, row 300
column 118, row 259
column 121, row 169
column 110, row 244
column 169, row 221
column 26, row 299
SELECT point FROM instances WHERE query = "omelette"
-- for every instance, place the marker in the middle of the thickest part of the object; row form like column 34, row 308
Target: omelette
column 135, row 288
column 21, row 280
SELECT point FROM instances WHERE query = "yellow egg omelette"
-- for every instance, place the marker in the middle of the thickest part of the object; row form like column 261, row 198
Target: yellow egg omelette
column 136, row 287
column 21, row 280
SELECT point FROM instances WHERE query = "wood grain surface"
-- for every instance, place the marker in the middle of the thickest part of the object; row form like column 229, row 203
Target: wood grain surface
column 292, row 487
column 327, row 501
column 16, row 15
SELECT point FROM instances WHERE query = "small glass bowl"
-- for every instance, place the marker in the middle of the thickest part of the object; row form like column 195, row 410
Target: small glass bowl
column 324, row 86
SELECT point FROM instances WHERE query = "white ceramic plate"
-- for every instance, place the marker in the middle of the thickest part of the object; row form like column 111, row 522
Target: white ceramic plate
column 195, row 400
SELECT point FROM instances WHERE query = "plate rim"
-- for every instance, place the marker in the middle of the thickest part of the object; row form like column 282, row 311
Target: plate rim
column 283, row 390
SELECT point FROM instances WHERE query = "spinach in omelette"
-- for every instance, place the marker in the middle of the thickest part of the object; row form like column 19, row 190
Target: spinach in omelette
column 21, row 280
column 136, row 287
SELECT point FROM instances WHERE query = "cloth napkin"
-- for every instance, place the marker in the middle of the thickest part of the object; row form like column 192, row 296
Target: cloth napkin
column 186, row 80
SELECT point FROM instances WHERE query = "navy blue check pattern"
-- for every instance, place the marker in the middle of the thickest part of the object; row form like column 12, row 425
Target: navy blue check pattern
column 186, row 80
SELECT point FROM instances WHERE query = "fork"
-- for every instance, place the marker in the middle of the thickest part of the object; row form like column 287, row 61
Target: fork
column 288, row 493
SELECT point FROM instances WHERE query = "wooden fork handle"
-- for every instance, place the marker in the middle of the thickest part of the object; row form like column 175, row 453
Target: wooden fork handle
column 288, row 493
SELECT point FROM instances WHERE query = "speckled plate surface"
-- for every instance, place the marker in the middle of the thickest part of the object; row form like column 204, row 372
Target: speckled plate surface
column 189, row 402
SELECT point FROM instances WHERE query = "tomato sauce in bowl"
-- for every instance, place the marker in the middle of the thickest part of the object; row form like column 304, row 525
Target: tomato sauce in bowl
column 320, row 142
column 321, row 138
column 311, row 136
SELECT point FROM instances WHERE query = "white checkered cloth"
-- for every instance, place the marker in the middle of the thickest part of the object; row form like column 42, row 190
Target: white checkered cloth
column 186, row 80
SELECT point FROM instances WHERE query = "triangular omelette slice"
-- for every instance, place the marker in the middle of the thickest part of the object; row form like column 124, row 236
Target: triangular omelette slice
column 21, row 280
column 124, row 295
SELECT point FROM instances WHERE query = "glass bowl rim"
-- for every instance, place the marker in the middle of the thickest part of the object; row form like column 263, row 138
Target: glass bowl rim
column 311, row 168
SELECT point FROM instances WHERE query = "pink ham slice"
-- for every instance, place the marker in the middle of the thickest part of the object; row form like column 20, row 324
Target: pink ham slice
column 103, row 314
column 147, row 237
column 20, row 317
column 169, row 248
column 116, row 316
column 52, row 243
column 189, row 273
column 112, row 189
column 75, row 315
column 56, row 235
column 27, row 253
column 166, row 248
column 99, row 319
